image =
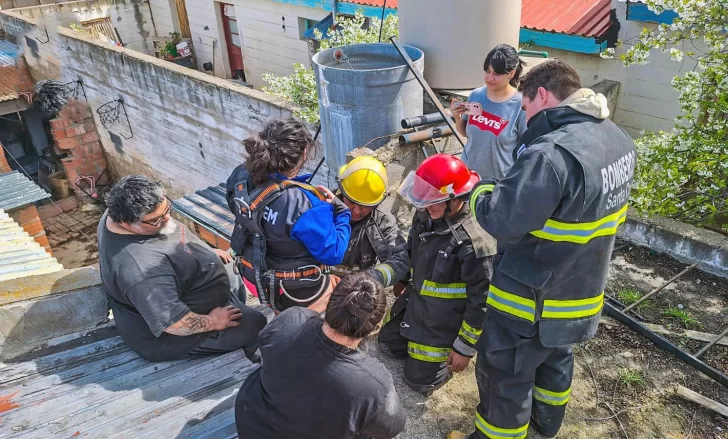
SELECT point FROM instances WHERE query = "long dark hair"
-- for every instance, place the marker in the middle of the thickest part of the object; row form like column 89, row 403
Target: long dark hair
column 280, row 147
column 504, row 59
column 356, row 306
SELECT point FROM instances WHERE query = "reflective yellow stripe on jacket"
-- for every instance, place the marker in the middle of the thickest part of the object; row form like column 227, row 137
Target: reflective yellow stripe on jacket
column 430, row 354
column 493, row 432
column 511, row 304
column 525, row 308
column 581, row 233
column 455, row 290
column 572, row 309
column 387, row 273
column 469, row 333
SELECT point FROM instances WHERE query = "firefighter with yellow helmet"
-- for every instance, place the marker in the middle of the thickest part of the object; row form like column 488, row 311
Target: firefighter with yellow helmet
column 376, row 244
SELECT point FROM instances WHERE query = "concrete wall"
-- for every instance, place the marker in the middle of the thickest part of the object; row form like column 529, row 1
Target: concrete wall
column 30, row 308
column 267, row 46
column 647, row 100
column 131, row 18
column 187, row 127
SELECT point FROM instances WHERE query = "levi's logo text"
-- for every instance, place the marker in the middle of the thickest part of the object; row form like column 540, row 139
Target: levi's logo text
column 489, row 122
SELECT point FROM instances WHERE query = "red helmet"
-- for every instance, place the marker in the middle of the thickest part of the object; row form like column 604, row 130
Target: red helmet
column 439, row 178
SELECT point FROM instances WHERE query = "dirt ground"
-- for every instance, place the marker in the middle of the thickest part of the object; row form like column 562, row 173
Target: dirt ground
column 72, row 236
column 617, row 372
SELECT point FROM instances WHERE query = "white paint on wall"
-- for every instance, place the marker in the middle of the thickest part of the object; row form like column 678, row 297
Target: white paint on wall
column 267, row 46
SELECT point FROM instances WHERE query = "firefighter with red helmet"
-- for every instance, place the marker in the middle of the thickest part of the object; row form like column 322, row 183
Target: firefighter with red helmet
column 437, row 317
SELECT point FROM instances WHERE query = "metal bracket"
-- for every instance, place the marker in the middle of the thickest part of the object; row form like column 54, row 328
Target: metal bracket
column 72, row 90
column 48, row 38
column 685, row 357
column 428, row 90
column 110, row 112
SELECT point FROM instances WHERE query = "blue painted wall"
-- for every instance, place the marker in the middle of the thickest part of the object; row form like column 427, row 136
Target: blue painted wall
column 640, row 12
column 572, row 43
column 342, row 7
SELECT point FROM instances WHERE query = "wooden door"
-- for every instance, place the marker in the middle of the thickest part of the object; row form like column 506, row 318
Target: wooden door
column 233, row 40
column 184, row 21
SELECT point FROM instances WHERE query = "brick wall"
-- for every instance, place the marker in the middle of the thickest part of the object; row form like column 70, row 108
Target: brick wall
column 27, row 218
column 4, row 166
column 74, row 131
column 186, row 126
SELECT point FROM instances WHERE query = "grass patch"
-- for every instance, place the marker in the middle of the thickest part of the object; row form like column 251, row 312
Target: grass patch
column 682, row 316
column 630, row 296
column 631, row 377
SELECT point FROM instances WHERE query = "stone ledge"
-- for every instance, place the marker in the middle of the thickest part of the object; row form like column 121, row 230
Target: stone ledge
column 31, row 324
column 44, row 285
column 682, row 241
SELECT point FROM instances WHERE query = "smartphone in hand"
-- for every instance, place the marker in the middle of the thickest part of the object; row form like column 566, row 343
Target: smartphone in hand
column 471, row 108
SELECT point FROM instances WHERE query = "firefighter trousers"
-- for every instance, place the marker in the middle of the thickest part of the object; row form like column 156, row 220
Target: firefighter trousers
column 520, row 381
column 423, row 376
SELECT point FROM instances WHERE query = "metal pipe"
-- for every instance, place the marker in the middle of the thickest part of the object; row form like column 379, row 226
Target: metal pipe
column 660, row 288
column 421, row 136
column 427, row 88
column 425, row 119
column 710, row 345
column 534, row 53
column 662, row 343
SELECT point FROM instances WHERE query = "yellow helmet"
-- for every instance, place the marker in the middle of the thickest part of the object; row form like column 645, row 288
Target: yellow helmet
column 364, row 181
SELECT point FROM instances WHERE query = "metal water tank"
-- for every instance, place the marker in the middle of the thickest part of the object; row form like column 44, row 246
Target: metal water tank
column 456, row 35
column 364, row 92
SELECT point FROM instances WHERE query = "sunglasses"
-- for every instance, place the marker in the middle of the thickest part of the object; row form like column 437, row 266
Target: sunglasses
column 160, row 218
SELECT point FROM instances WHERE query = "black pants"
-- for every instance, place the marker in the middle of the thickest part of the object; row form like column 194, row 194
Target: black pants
column 520, row 381
column 423, row 376
column 244, row 336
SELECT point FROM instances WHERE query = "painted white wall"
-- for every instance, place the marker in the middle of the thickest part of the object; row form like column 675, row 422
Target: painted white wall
column 267, row 46
column 647, row 100
column 165, row 16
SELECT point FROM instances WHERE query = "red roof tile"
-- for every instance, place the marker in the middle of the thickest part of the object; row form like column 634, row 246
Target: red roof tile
column 588, row 18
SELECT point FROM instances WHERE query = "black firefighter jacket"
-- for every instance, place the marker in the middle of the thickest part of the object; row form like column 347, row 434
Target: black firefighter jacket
column 555, row 216
column 376, row 246
column 451, row 265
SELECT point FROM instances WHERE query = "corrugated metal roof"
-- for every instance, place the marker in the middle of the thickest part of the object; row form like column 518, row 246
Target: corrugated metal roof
column 587, row 18
column 20, row 255
column 18, row 190
column 9, row 53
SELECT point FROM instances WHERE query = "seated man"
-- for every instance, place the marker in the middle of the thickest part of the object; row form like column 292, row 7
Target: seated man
column 376, row 245
column 314, row 383
column 170, row 293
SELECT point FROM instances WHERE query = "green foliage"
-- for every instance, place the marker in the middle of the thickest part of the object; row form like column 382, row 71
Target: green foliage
column 170, row 47
column 683, row 174
column 682, row 316
column 629, row 377
column 300, row 87
column 629, row 296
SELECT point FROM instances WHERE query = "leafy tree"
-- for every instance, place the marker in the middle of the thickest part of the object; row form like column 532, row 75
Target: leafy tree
column 300, row 87
column 683, row 174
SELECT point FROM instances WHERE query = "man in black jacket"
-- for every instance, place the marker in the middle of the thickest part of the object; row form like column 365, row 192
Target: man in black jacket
column 555, row 216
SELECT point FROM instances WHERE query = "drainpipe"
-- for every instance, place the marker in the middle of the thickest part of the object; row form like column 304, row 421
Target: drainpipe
column 333, row 10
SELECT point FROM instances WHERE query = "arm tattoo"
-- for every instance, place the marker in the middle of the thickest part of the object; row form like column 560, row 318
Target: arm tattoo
column 190, row 324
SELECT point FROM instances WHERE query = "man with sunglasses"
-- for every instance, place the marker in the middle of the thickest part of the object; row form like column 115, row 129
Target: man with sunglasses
column 172, row 296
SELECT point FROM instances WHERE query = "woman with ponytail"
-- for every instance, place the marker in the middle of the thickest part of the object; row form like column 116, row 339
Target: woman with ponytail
column 287, row 233
column 493, row 135
column 314, row 382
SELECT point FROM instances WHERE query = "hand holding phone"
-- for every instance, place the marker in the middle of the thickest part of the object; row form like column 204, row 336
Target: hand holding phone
column 471, row 108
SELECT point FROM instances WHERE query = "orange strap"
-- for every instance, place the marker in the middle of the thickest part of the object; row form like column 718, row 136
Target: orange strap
column 292, row 274
column 283, row 185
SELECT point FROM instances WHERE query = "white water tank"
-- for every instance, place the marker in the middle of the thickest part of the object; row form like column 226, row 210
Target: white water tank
column 456, row 35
